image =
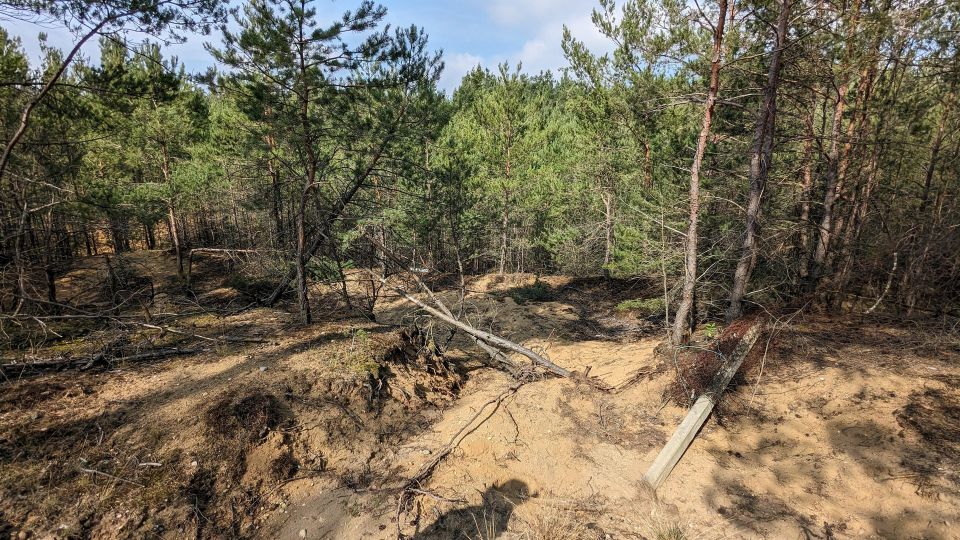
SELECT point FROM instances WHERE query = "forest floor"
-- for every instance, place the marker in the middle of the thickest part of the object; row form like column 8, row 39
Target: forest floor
column 845, row 427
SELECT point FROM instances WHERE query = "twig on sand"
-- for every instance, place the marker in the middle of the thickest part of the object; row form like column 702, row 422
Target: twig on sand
column 117, row 478
column 414, row 484
column 434, row 496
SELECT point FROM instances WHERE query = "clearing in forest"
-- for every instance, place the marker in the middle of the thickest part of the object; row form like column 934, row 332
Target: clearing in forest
column 838, row 428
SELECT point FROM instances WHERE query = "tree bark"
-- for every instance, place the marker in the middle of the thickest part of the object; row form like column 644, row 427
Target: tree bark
column 834, row 169
column 151, row 240
column 806, row 188
column 682, row 323
column 505, row 222
column 277, row 195
column 761, row 155
column 608, row 231
column 300, row 262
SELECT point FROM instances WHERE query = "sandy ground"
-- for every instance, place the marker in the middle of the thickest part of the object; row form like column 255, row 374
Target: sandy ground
column 817, row 445
column 847, row 429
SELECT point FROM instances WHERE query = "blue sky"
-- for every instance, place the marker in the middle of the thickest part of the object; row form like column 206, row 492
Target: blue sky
column 470, row 32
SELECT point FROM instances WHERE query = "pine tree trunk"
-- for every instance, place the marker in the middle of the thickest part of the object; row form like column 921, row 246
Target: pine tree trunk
column 303, row 297
column 175, row 238
column 834, row 167
column 277, row 197
column 151, row 239
column 171, row 214
column 682, row 323
column 505, row 220
column 761, row 155
column 608, row 232
column 806, row 188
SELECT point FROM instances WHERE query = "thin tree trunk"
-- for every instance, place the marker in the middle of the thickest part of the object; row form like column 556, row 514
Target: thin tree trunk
column 608, row 232
column 806, row 189
column 760, row 158
column 175, row 237
column 277, row 194
column 151, row 240
column 28, row 110
column 833, row 173
column 303, row 296
column 173, row 227
column 682, row 323
column 328, row 219
column 935, row 151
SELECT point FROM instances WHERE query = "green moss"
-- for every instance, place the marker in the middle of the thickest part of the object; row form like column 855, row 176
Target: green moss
column 361, row 355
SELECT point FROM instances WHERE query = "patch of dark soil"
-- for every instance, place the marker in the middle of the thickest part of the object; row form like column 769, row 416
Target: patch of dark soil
column 26, row 395
column 246, row 417
column 6, row 528
column 415, row 368
column 753, row 510
column 200, row 491
column 284, row 466
column 597, row 299
column 252, row 287
column 538, row 291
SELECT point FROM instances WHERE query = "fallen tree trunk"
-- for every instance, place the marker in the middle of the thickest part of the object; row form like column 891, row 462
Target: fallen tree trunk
column 490, row 340
column 495, row 354
column 744, row 334
column 87, row 362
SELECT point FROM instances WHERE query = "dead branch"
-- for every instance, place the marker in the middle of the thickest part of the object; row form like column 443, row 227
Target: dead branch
column 119, row 319
column 87, row 362
column 486, row 337
column 495, row 354
column 117, row 478
column 413, row 486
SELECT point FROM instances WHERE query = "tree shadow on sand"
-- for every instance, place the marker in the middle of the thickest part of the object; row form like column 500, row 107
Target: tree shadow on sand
column 486, row 521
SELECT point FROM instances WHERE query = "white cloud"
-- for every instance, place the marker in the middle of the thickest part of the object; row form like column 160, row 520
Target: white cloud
column 535, row 12
column 456, row 65
column 544, row 52
column 544, row 21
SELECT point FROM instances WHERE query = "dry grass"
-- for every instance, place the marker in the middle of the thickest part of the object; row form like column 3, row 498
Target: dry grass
column 659, row 526
column 552, row 523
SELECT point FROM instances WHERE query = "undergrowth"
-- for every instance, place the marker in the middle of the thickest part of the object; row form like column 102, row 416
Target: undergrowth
column 538, row 291
column 644, row 307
